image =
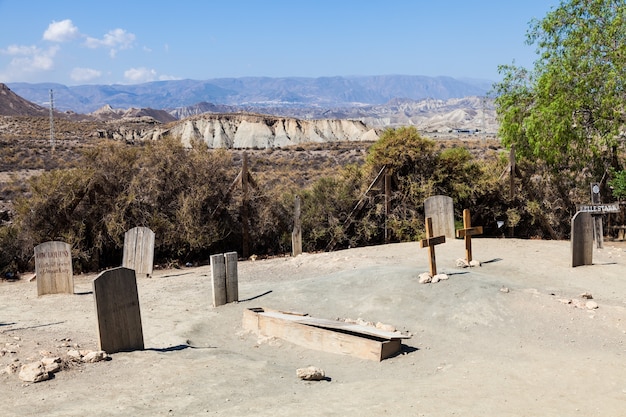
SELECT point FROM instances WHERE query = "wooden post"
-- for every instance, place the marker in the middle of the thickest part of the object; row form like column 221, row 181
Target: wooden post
column 512, row 171
column 232, row 278
column 387, row 203
column 244, row 207
column 218, row 279
column 582, row 239
column 296, row 234
column 598, row 231
column 467, row 232
column 430, row 242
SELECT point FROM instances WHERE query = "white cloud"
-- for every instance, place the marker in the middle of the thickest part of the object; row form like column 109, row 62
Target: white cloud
column 84, row 74
column 140, row 75
column 61, row 31
column 30, row 58
column 115, row 40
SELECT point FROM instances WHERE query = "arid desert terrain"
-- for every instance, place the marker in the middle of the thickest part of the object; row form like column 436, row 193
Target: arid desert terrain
column 513, row 337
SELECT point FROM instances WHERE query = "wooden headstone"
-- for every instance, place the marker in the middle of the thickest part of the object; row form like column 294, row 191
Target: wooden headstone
column 53, row 268
column 117, row 310
column 467, row 232
column 441, row 209
column 139, row 250
column 430, row 242
column 582, row 239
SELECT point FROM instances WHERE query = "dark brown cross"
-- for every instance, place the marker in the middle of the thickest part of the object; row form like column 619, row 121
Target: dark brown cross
column 430, row 242
column 467, row 232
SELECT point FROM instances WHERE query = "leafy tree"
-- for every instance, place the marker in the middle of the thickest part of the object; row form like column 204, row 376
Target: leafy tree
column 570, row 109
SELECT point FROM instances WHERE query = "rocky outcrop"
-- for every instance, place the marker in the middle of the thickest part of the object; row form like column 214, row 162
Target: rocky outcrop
column 260, row 131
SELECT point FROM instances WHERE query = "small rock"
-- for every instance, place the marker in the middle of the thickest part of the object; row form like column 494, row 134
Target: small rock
column 435, row 279
column 591, row 305
column 441, row 277
column 74, row 354
column 95, row 356
column 462, row 263
column 362, row 322
column 33, row 372
column 310, row 373
column 565, row 301
column 504, row 289
column 425, row 278
column 586, row 296
column 11, row 368
column 474, row 263
column 51, row 365
column 385, row 327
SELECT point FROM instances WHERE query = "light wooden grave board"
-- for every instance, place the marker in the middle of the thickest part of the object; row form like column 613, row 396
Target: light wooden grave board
column 53, row 268
column 430, row 242
column 139, row 250
column 117, row 310
column 582, row 239
column 224, row 279
column 467, row 232
column 441, row 209
column 330, row 336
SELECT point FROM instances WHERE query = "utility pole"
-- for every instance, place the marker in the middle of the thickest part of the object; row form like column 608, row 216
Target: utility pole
column 51, row 120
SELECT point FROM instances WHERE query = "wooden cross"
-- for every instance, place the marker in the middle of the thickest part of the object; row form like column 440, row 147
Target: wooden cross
column 430, row 242
column 467, row 232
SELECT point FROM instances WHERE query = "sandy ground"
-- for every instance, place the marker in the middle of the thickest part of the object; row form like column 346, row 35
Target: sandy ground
column 475, row 350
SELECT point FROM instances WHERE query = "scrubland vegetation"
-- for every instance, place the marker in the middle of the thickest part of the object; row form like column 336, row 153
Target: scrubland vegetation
column 190, row 199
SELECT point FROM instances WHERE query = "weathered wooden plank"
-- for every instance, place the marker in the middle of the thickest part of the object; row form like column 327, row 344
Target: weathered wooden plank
column 296, row 234
column 232, row 279
column 117, row 309
column 218, row 279
column 53, row 268
column 139, row 250
column 324, row 339
column 582, row 239
column 335, row 324
column 441, row 209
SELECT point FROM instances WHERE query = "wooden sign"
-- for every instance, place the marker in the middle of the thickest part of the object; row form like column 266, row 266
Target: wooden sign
column 582, row 239
column 53, row 268
column 117, row 310
column 331, row 336
column 139, row 251
column 599, row 208
column 430, row 242
column 441, row 209
column 467, row 232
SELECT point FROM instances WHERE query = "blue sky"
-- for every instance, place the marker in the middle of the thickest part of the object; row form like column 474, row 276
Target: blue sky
column 129, row 42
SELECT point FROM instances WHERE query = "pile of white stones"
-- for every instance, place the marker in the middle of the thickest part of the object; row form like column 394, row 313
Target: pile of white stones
column 47, row 366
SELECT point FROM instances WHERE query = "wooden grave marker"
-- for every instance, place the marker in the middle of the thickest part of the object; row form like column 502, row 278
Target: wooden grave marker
column 117, row 311
column 139, row 250
column 441, row 209
column 467, row 232
column 53, row 268
column 582, row 239
column 430, row 242
column 224, row 279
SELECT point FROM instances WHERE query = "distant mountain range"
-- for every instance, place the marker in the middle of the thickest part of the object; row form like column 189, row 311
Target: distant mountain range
column 252, row 93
